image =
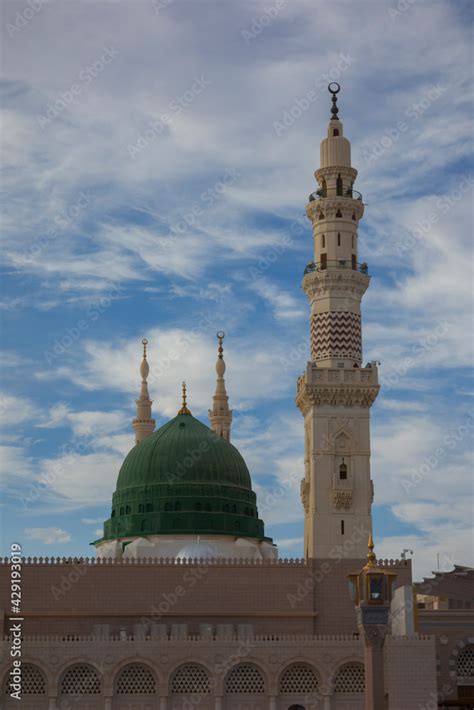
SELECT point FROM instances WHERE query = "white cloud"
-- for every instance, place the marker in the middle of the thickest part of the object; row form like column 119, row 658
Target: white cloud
column 49, row 536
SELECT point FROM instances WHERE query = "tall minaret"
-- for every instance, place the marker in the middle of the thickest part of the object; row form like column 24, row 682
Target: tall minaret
column 143, row 424
column 335, row 393
column 220, row 415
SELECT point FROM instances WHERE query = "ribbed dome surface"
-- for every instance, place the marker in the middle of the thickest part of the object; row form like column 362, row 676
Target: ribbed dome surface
column 184, row 479
column 183, row 450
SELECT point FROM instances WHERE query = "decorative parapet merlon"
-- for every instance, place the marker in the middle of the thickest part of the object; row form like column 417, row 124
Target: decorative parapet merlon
column 358, row 386
column 164, row 561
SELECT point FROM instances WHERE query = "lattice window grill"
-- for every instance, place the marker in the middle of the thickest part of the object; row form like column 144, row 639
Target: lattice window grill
column 465, row 663
column 81, row 679
column 136, row 679
column 191, row 678
column 245, row 678
column 32, row 681
column 350, row 679
column 299, row 678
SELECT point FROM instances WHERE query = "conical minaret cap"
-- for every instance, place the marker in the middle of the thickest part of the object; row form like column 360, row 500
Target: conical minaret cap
column 335, row 150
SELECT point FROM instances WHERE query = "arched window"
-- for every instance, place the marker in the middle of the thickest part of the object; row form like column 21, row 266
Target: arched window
column 127, row 510
column 144, row 525
column 121, row 511
column 342, row 527
column 32, row 681
column 141, row 508
column 80, row 679
column 323, row 241
column 190, row 679
column 113, row 514
column 350, row 679
column 245, row 679
column 168, row 506
column 353, row 216
column 197, row 506
column 343, row 471
column 177, row 505
column 246, row 511
column 338, row 239
column 299, row 678
column 225, row 508
column 149, row 507
column 465, row 665
column 335, row 132
column 135, row 679
column 339, row 213
column 339, row 186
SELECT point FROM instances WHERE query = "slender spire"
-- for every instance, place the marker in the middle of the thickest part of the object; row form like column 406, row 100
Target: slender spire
column 220, row 416
column 334, row 88
column 184, row 409
column 143, row 424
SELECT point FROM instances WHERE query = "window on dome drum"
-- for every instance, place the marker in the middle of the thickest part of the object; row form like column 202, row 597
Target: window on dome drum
column 338, row 239
column 127, row 509
column 225, row 509
column 197, row 506
column 149, row 507
column 141, row 508
column 177, row 506
column 113, row 514
column 167, row 506
column 343, row 471
column 339, row 186
column 121, row 511
column 207, row 507
column 246, row 511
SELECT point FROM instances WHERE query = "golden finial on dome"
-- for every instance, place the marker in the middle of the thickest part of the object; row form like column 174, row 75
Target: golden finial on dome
column 371, row 558
column 184, row 409
column 220, row 337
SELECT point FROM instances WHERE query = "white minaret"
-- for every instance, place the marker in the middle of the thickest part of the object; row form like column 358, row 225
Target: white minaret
column 143, row 424
column 220, row 416
column 335, row 393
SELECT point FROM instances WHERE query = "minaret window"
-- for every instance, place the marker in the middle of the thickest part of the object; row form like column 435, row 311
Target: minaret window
column 149, row 507
column 335, row 132
column 339, row 213
column 324, row 261
column 354, row 263
column 323, row 188
column 353, row 216
column 323, row 241
column 353, row 241
column 342, row 527
column 339, row 186
column 338, row 240
column 141, row 508
column 343, row 471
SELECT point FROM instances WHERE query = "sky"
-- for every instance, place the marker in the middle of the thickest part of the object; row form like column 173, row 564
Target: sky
column 157, row 159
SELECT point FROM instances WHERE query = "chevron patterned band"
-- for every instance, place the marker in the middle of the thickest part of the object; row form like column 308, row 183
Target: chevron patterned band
column 336, row 334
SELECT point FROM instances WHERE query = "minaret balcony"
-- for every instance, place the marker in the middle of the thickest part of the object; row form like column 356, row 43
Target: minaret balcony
column 323, row 193
column 331, row 265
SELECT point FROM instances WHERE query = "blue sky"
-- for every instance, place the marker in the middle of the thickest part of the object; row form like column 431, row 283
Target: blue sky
column 158, row 156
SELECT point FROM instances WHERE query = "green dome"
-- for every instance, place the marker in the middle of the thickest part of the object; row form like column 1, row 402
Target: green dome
column 184, row 479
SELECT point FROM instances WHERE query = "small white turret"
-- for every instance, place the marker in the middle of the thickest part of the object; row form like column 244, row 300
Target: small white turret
column 220, row 416
column 143, row 424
